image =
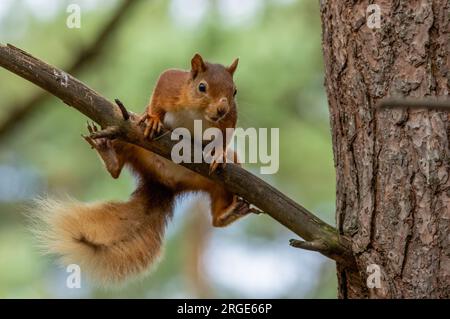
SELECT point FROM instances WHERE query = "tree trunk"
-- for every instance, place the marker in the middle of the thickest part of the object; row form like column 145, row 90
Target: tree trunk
column 392, row 166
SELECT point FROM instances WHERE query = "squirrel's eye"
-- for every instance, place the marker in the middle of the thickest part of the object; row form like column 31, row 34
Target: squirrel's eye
column 202, row 87
column 235, row 92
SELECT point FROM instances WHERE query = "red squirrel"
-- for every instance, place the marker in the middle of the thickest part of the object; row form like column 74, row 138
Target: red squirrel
column 113, row 241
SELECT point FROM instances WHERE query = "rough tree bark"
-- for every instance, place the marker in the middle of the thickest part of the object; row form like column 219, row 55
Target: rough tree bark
column 392, row 165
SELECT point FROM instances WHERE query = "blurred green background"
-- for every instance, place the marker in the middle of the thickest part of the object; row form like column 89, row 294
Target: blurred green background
column 280, row 84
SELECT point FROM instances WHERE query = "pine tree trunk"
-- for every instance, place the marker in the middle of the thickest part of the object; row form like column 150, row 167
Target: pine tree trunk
column 392, row 166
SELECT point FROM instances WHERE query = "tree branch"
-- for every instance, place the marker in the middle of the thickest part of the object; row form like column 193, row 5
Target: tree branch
column 236, row 179
column 440, row 104
column 19, row 113
column 122, row 108
column 315, row 245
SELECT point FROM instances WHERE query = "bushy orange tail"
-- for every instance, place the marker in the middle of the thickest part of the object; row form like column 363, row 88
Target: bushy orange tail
column 110, row 241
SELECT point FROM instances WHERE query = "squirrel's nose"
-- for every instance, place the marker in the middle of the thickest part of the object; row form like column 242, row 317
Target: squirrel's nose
column 223, row 100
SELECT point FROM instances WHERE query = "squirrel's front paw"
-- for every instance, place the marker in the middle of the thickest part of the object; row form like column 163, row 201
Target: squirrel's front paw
column 153, row 125
column 218, row 159
column 100, row 144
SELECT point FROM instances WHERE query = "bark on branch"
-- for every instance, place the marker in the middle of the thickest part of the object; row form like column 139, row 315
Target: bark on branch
column 236, row 179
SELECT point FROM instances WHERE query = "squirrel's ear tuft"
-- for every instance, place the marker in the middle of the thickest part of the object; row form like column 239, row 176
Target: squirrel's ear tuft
column 233, row 66
column 197, row 64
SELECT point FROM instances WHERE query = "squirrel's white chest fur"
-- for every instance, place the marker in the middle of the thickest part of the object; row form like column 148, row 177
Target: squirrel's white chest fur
column 185, row 118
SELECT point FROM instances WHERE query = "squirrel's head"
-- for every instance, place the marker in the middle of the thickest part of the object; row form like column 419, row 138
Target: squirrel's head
column 213, row 87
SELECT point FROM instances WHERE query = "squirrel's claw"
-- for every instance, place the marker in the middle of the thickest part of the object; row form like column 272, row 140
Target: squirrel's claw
column 213, row 166
column 153, row 126
column 91, row 127
column 89, row 140
column 143, row 118
column 96, row 143
column 242, row 208
column 215, row 163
